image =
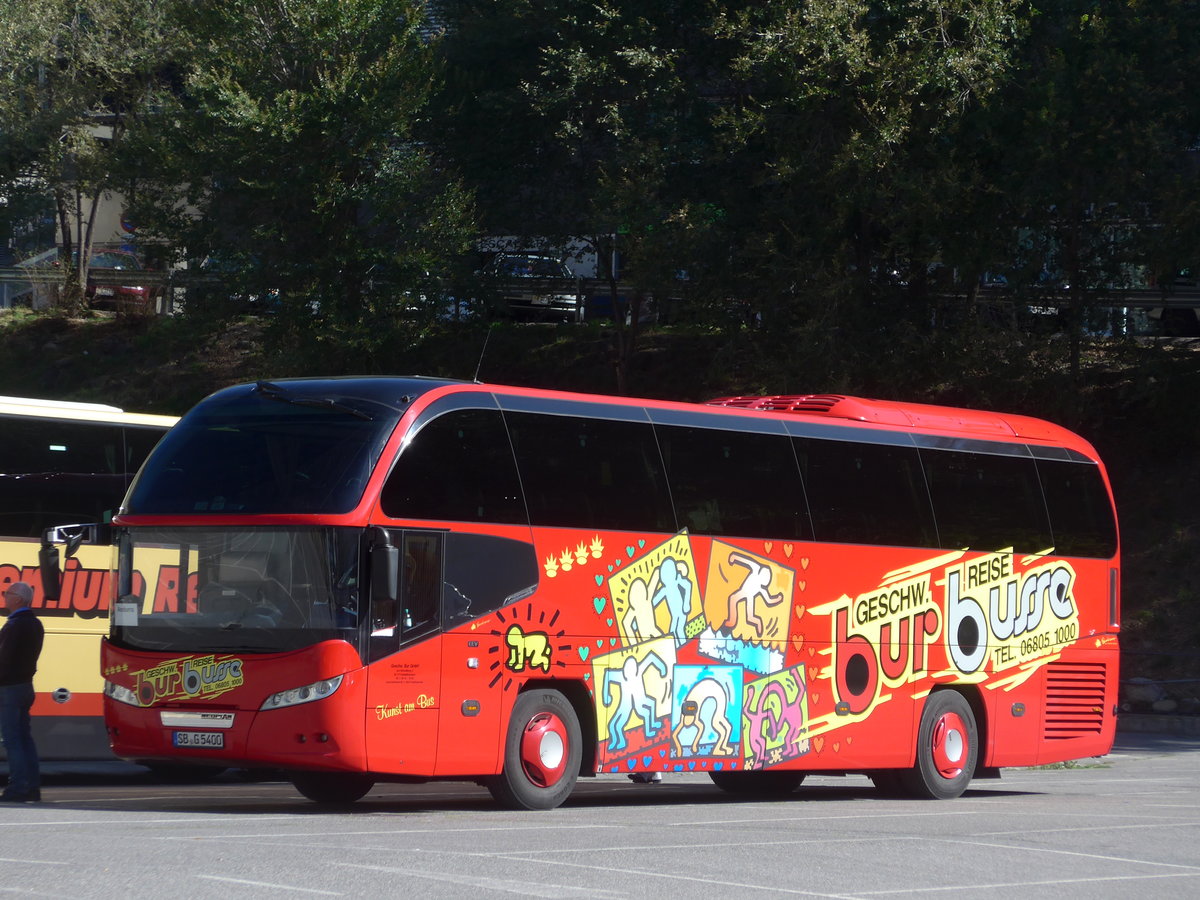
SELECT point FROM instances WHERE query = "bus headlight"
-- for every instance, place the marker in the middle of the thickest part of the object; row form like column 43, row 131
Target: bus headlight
column 120, row 694
column 318, row 690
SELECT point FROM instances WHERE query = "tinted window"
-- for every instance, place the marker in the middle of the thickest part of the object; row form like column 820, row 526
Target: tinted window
column 483, row 573
column 591, row 473
column 734, row 483
column 58, row 473
column 418, row 612
column 1081, row 516
column 985, row 502
column 138, row 444
column 865, row 493
column 459, row 468
column 38, row 445
column 260, row 454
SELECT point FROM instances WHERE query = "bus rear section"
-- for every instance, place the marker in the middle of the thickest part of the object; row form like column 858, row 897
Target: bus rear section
column 65, row 463
column 362, row 580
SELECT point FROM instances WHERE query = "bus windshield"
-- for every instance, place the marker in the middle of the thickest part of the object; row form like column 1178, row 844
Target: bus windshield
column 269, row 448
column 244, row 589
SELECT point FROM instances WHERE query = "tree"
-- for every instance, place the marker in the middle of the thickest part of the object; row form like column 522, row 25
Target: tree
column 575, row 118
column 293, row 151
column 75, row 77
column 1096, row 176
column 844, row 122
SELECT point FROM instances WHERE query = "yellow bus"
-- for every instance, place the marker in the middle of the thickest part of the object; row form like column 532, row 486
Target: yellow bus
column 61, row 464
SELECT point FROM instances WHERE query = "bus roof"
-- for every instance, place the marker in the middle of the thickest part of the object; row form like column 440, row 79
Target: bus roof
column 30, row 408
column 399, row 391
column 888, row 414
column 922, row 416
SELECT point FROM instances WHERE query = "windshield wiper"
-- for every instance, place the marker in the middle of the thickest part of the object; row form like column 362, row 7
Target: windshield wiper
column 275, row 392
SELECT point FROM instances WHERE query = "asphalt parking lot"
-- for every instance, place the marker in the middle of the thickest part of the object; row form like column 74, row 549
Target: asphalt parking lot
column 1121, row 826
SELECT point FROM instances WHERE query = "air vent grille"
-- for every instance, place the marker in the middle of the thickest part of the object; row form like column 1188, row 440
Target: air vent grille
column 1074, row 700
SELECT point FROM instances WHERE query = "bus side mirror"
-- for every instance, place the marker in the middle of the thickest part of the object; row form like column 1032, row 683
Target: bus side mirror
column 49, row 569
column 72, row 537
column 385, row 573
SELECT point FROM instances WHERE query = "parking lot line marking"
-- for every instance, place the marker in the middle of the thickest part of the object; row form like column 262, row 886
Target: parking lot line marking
column 674, row 876
column 1024, row 831
column 174, row 820
column 524, row 888
column 1099, row 879
column 35, row 862
column 271, row 884
column 818, row 818
column 324, row 831
column 1026, row 848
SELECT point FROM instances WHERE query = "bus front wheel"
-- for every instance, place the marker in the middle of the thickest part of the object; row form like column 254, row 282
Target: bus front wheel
column 947, row 748
column 542, row 751
column 332, row 787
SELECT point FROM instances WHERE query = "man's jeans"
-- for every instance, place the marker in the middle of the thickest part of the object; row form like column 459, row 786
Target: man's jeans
column 23, row 775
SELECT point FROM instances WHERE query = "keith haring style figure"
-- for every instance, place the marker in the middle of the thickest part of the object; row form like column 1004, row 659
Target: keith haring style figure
column 705, row 708
column 675, row 590
column 630, row 681
column 638, row 621
column 754, row 587
column 774, row 719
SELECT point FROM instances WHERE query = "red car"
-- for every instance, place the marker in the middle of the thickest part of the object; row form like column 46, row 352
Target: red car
column 107, row 290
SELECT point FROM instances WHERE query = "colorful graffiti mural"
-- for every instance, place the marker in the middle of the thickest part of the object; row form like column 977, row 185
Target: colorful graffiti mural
column 716, row 661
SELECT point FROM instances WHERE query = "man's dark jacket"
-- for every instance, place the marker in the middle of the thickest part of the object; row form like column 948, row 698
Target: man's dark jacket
column 20, row 646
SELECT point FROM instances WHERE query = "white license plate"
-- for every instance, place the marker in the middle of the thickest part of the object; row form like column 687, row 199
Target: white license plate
column 211, row 739
column 105, row 291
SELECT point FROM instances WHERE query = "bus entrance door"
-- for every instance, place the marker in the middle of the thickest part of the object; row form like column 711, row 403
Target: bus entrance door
column 404, row 678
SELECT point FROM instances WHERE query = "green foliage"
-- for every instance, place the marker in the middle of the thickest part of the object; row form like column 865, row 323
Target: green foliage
column 295, row 163
column 75, row 78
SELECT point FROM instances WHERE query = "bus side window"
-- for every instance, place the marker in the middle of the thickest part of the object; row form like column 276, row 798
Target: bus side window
column 741, row 484
column 866, row 493
column 1081, row 515
column 987, row 502
column 417, row 613
column 591, row 473
column 458, row 468
column 421, row 583
column 55, row 473
column 483, row 573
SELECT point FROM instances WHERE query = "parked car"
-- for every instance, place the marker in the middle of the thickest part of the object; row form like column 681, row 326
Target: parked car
column 105, row 291
column 551, row 292
column 1180, row 314
column 220, row 279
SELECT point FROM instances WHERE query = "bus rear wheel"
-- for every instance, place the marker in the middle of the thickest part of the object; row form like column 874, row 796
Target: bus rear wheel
column 542, row 750
column 759, row 784
column 332, row 787
column 947, row 748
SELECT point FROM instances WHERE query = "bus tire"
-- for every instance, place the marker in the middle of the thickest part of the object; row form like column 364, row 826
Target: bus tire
column 542, row 750
column 760, row 784
column 947, row 748
column 332, row 787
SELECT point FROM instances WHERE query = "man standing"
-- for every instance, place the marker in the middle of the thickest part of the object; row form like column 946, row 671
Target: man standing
column 20, row 645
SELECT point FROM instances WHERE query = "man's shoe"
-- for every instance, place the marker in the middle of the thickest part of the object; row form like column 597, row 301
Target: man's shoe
column 646, row 777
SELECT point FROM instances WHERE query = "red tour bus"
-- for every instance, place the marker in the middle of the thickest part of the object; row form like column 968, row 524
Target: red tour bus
column 402, row 579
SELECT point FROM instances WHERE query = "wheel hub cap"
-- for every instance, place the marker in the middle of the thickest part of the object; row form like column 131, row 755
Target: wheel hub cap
column 544, row 749
column 949, row 745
